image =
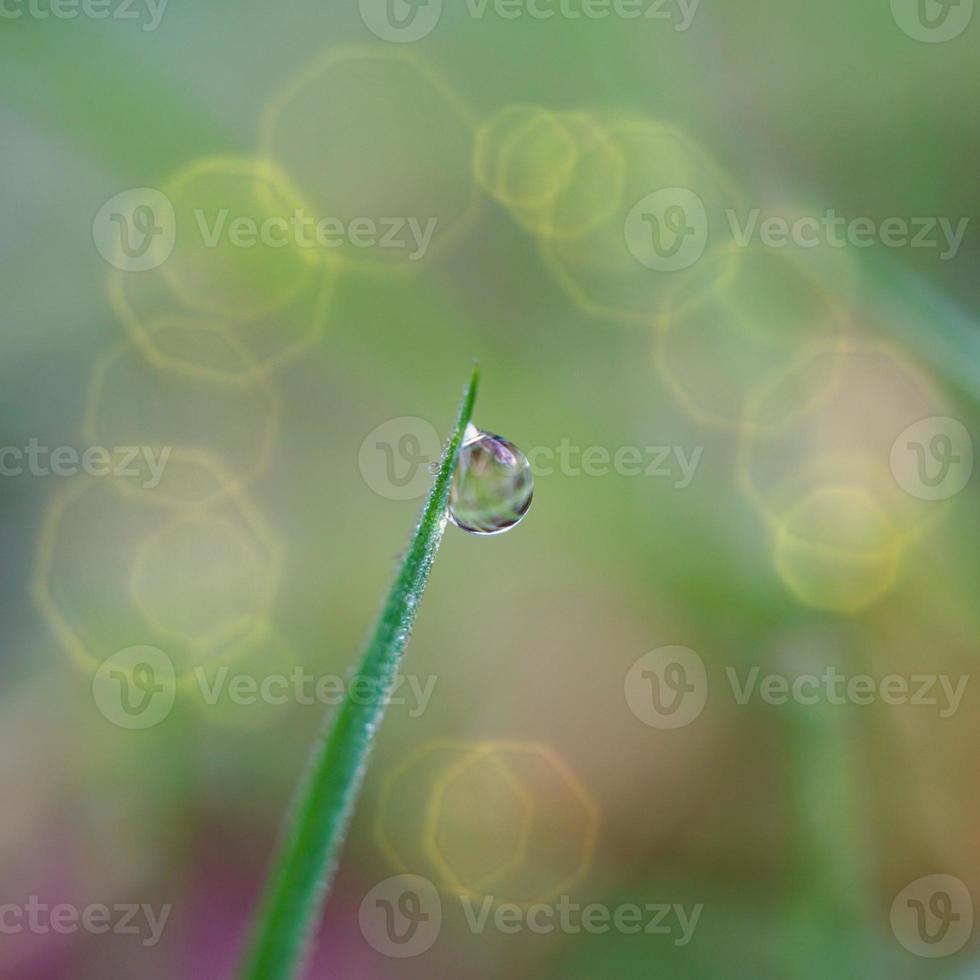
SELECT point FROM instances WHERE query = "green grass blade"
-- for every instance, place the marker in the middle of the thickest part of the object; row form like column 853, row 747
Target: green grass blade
column 314, row 835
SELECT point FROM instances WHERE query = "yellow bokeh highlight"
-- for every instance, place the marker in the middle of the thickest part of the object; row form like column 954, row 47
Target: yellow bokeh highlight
column 742, row 319
column 192, row 479
column 273, row 300
column 814, row 460
column 522, row 155
column 634, row 156
column 108, row 575
column 480, row 787
column 199, row 581
column 557, row 173
column 214, row 272
column 837, row 549
column 133, row 401
column 831, row 418
column 403, row 802
column 500, row 819
column 589, row 195
column 372, row 136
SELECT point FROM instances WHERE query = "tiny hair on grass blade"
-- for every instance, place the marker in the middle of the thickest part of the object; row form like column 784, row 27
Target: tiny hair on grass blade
column 314, row 831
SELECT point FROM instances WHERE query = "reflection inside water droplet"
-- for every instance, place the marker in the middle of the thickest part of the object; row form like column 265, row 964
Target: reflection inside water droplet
column 492, row 486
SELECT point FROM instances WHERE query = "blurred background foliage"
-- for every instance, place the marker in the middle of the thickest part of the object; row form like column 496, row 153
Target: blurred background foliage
column 264, row 546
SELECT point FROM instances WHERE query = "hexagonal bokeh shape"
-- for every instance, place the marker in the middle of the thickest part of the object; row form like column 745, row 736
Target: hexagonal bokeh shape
column 240, row 262
column 755, row 313
column 588, row 196
column 558, row 173
column 522, row 156
column 192, row 479
column 80, row 568
column 831, row 418
column 403, row 802
column 413, row 819
column 481, row 793
column 199, row 581
column 380, row 145
column 563, row 836
column 837, row 549
column 601, row 269
column 90, row 541
column 136, row 403
column 239, row 254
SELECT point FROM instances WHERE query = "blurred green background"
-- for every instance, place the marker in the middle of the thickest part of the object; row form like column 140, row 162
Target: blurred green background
column 780, row 516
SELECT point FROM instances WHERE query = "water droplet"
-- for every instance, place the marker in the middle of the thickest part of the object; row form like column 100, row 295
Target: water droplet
column 492, row 485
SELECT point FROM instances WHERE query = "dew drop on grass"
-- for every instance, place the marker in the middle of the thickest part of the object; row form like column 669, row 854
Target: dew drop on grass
column 492, row 486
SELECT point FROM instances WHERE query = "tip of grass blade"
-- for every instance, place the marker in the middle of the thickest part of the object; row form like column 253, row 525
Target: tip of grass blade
column 470, row 395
